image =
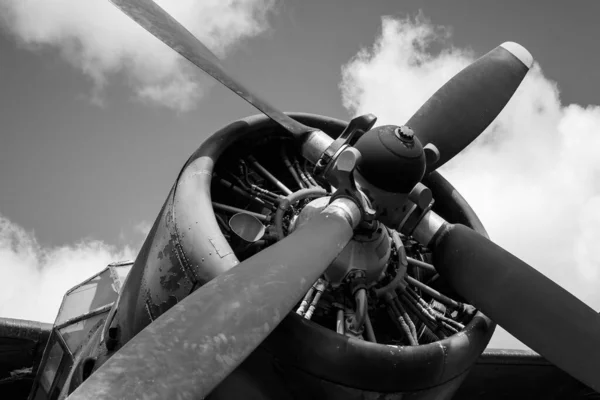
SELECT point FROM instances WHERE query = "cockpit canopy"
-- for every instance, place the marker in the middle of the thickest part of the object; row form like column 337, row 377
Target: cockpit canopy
column 84, row 309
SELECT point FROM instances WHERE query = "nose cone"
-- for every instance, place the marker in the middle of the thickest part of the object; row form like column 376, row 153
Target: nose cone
column 392, row 158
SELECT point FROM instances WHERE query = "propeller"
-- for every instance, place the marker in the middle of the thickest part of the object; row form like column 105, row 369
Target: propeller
column 186, row 352
column 155, row 20
column 177, row 356
column 523, row 301
column 461, row 109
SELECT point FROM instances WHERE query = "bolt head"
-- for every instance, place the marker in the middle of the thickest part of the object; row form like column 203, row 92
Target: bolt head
column 404, row 133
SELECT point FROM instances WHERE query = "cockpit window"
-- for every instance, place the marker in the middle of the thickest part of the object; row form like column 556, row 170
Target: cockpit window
column 76, row 334
column 52, row 363
column 90, row 295
column 57, row 365
column 82, row 312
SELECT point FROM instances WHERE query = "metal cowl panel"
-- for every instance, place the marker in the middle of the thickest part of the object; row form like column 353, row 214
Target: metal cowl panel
column 185, row 247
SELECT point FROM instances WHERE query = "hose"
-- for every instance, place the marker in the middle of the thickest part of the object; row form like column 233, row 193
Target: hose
column 285, row 204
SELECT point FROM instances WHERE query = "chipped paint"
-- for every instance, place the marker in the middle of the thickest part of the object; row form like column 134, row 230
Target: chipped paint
column 241, row 300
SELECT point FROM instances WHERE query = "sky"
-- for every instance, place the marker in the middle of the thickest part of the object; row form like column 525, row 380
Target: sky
column 97, row 117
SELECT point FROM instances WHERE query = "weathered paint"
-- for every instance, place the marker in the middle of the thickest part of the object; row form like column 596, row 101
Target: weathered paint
column 243, row 305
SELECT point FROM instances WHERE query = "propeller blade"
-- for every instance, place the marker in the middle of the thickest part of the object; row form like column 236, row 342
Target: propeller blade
column 192, row 347
column 461, row 109
column 158, row 22
column 523, row 301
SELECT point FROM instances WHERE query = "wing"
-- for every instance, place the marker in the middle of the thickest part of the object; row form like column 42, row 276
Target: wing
column 522, row 374
column 21, row 347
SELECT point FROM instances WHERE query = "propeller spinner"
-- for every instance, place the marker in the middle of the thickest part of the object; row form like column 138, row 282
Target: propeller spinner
column 254, row 296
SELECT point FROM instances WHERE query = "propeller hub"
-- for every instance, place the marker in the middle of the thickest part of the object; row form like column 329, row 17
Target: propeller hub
column 368, row 251
column 392, row 158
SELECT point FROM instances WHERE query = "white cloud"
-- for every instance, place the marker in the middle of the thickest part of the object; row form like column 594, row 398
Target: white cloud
column 101, row 41
column 142, row 228
column 395, row 77
column 35, row 278
column 533, row 177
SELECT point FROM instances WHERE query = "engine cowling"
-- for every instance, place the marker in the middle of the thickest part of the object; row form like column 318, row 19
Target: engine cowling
column 189, row 244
